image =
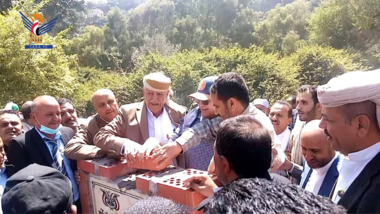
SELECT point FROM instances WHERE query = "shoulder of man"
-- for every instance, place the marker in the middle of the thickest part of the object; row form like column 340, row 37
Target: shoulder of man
column 93, row 122
column 20, row 139
column 176, row 107
column 67, row 131
column 192, row 112
column 132, row 107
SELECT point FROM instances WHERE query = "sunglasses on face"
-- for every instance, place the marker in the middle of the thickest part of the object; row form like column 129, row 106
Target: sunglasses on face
column 206, row 102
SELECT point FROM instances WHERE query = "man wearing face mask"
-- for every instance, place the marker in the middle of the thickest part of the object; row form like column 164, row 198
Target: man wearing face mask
column 153, row 119
column 44, row 143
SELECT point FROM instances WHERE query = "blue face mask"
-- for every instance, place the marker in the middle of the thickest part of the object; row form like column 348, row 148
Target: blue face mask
column 47, row 130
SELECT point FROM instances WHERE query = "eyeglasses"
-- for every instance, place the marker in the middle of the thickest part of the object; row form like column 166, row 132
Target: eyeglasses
column 205, row 102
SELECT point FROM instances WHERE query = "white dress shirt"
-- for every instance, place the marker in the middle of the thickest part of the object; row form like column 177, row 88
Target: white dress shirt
column 351, row 166
column 317, row 176
column 284, row 138
column 160, row 127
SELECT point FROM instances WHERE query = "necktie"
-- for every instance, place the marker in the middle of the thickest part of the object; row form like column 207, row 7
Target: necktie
column 57, row 156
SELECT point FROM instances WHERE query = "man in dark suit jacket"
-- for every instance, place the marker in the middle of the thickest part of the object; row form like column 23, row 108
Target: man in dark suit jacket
column 351, row 120
column 44, row 144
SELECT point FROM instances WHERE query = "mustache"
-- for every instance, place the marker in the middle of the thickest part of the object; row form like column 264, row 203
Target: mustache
column 327, row 133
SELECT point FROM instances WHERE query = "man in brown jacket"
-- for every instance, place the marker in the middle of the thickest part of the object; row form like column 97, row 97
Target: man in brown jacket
column 136, row 122
column 81, row 146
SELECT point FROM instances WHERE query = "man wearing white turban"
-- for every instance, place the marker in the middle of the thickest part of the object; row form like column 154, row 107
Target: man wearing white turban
column 351, row 120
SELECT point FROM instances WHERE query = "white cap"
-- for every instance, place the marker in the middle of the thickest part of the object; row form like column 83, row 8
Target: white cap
column 157, row 82
column 262, row 102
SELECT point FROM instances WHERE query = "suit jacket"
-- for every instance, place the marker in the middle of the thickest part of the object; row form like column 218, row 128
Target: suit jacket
column 81, row 146
column 329, row 180
column 29, row 148
column 131, row 126
column 363, row 196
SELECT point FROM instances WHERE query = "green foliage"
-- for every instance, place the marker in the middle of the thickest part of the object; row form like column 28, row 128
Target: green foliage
column 284, row 26
column 26, row 74
column 90, row 80
column 90, row 48
column 316, row 65
column 277, row 45
column 263, row 73
column 346, row 23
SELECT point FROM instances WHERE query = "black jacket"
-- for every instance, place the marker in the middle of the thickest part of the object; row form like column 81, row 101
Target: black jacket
column 29, row 148
column 363, row 196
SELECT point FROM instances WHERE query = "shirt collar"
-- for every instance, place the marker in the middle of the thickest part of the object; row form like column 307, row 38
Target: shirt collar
column 284, row 132
column 326, row 168
column 151, row 113
column 248, row 109
column 56, row 137
column 365, row 154
column 3, row 169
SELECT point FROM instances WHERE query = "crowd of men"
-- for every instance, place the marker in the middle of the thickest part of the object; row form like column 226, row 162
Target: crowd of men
column 317, row 151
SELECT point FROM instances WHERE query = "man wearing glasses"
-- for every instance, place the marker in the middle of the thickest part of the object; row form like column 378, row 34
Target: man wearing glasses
column 199, row 156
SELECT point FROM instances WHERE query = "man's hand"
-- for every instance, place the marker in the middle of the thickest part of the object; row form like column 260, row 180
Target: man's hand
column 131, row 152
column 202, row 184
column 278, row 159
column 164, row 154
column 281, row 161
column 77, row 177
column 146, row 150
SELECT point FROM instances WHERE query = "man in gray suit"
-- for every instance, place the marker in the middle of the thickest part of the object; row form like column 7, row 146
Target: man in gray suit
column 44, row 144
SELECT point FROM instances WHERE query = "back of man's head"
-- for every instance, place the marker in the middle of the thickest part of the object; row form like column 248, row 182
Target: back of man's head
column 264, row 196
column 231, row 85
column 38, row 189
column 63, row 101
column 292, row 100
column 156, row 205
column 246, row 145
column 26, row 109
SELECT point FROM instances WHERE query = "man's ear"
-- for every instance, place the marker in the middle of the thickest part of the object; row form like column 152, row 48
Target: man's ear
column 225, row 165
column 232, row 103
column 318, row 107
column 363, row 125
column 290, row 121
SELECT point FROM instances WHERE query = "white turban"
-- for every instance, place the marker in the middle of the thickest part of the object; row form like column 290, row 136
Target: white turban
column 352, row 87
column 157, row 82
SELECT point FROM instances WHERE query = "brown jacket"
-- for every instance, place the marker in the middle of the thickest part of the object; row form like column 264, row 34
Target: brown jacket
column 81, row 146
column 131, row 126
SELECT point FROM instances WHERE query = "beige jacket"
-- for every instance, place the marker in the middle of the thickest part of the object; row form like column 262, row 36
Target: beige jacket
column 81, row 146
column 131, row 126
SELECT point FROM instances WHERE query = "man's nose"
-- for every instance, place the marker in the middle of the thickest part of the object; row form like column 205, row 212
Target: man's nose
column 322, row 123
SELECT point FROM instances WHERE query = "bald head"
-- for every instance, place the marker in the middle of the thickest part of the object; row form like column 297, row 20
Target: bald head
column 42, row 101
column 316, row 149
column 102, row 92
column 46, row 111
column 105, row 104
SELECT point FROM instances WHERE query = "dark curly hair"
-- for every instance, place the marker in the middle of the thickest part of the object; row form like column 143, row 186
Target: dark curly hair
column 254, row 195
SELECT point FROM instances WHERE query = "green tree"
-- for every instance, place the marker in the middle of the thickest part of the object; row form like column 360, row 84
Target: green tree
column 283, row 24
column 27, row 73
column 117, row 39
column 346, row 23
column 316, row 65
column 90, row 48
column 90, row 80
